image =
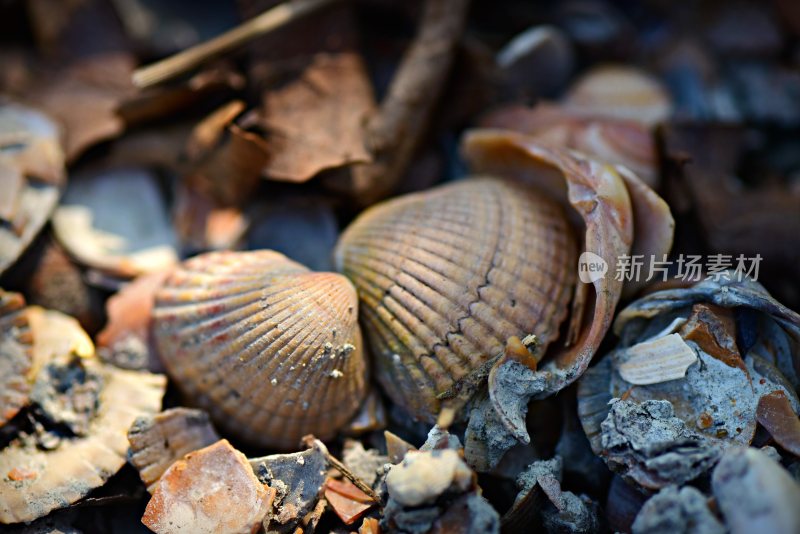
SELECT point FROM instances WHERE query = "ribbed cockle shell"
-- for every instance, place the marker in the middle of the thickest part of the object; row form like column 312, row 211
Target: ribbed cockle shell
column 446, row 276
column 270, row 349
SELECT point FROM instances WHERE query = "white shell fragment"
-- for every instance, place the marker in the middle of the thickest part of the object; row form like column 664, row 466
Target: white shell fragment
column 657, row 360
column 117, row 221
column 423, row 476
column 33, row 481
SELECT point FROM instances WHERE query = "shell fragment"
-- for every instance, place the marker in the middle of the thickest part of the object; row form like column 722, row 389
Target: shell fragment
column 657, row 360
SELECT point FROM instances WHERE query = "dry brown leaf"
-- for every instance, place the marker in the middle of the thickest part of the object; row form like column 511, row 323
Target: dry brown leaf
column 315, row 122
column 84, row 98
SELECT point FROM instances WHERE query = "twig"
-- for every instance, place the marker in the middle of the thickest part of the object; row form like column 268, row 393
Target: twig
column 190, row 58
column 393, row 134
column 311, row 441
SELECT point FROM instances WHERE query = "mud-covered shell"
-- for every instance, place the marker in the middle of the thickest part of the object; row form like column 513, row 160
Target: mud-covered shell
column 15, row 355
column 34, row 481
column 270, row 349
column 446, row 276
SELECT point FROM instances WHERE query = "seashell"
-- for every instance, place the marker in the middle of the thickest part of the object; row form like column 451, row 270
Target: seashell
column 16, row 356
column 446, row 276
column 620, row 92
column 270, row 349
column 94, row 404
column 158, row 441
column 611, row 206
column 616, row 141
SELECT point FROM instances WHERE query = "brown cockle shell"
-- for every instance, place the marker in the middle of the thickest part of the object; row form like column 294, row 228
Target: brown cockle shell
column 445, row 277
column 270, row 349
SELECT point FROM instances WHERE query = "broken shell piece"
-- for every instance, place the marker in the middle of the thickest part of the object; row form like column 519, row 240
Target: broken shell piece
column 776, row 415
column 298, row 478
column 620, row 92
column 423, row 476
column 270, row 349
column 211, row 490
column 646, row 443
column 677, row 510
column 755, row 494
column 349, row 502
column 655, row 361
column 76, row 465
column 158, row 441
column 532, row 482
column 126, row 339
column 446, row 276
column 571, row 513
column 614, row 206
column 56, row 335
column 116, row 221
column 619, row 142
column 370, row 525
column 370, row 417
column 396, row 447
column 16, row 355
column 31, row 173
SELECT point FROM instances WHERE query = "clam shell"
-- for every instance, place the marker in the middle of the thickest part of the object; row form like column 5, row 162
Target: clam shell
column 445, row 277
column 15, row 355
column 270, row 349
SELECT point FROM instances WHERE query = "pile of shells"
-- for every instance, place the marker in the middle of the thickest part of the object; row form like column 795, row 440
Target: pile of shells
column 273, row 303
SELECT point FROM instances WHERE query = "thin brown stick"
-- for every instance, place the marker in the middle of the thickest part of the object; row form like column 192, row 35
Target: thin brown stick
column 190, row 58
column 393, row 134
column 311, row 441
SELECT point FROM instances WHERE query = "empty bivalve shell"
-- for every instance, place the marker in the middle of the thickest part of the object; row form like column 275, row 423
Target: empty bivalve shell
column 269, row 348
column 447, row 276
